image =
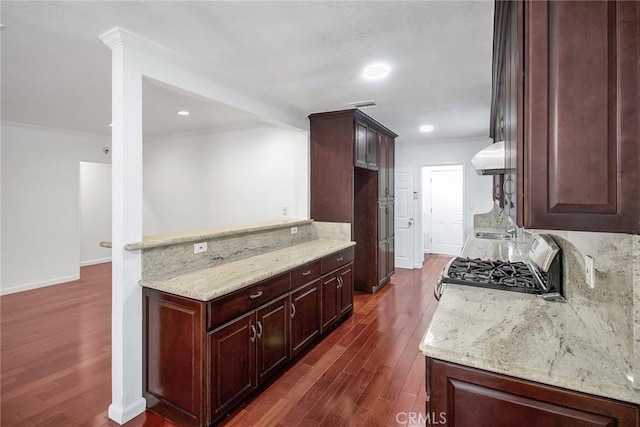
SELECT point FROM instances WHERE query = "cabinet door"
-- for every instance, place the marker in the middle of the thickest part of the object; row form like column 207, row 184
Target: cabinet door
column 232, row 350
column 391, row 253
column 391, row 168
column 272, row 331
column 372, row 149
column 382, row 261
column 360, row 148
column 329, row 300
column 582, row 113
column 382, row 221
column 461, row 396
column 383, row 169
column 173, row 337
column 305, row 316
column 346, row 289
column 389, row 216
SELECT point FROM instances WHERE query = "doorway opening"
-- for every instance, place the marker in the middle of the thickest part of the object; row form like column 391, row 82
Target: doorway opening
column 95, row 212
column 443, row 209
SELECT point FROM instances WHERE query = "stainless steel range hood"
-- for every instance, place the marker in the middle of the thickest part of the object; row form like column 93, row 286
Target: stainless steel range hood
column 491, row 160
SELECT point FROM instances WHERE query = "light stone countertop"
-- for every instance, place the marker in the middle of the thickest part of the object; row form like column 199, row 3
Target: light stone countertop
column 209, row 283
column 525, row 337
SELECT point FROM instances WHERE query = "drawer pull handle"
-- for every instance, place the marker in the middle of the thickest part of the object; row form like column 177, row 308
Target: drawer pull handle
column 306, row 273
column 256, row 295
column 259, row 329
column 293, row 310
column 339, row 259
column 253, row 334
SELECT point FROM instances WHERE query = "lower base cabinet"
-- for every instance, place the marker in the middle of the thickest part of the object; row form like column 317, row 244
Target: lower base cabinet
column 201, row 359
column 337, row 295
column 245, row 352
column 305, row 316
column 462, row 396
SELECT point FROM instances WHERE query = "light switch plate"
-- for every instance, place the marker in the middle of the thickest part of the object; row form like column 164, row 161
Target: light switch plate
column 589, row 272
column 294, row 230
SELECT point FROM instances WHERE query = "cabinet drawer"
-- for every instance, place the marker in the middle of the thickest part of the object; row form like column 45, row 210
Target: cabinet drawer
column 236, row 303
column 305, row 274
column 336, row 260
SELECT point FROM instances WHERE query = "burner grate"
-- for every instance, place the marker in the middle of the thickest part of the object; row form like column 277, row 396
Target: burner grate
column 494, row 274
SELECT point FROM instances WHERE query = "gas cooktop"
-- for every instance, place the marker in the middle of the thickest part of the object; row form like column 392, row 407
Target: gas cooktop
column 542, row 275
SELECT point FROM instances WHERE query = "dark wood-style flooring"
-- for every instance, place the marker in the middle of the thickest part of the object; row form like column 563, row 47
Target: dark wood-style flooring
column 56, row 359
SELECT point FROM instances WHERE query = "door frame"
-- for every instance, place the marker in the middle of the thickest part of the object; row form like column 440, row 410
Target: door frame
column 419, row 243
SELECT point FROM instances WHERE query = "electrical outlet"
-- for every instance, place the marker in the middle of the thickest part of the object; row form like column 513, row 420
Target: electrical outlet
column 294, row 230
column 589, row 272
column 198, row 248
column 285, row 211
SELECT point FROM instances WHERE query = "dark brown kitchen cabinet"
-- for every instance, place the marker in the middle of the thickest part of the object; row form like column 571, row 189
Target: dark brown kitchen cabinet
column 245, row 352
column 336, row 287
column 571, row 113
column 463, row 396
column 386, row 168
column 305, row 306
column 385, row 241
column 337, row 295
column 366, row 146
column 341, row 192
column 203, row 358
column 232, row 378
column 174, row 381
column 272, row 324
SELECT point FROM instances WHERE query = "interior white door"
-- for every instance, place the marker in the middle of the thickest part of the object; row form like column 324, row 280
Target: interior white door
column 447, row 229
column 404, row 218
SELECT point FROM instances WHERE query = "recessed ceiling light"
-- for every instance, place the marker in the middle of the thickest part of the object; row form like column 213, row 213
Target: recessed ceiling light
column 376, row 71
column 183, row 113
column 426, row 128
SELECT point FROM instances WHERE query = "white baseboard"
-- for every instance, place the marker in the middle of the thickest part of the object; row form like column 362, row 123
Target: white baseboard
column 36, row 285
column 95, row 261
column 122, row 415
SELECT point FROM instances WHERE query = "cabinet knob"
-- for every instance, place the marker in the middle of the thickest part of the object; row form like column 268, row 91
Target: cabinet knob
column 293, row 310
column 259, row 329
column 256, row 295
column 306, row 273
column 253, row 334
column 339, row 259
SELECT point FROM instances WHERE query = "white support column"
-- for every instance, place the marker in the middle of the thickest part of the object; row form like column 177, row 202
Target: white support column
column 126, row 332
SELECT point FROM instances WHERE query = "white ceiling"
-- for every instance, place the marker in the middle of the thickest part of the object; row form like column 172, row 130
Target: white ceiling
column 56, row 72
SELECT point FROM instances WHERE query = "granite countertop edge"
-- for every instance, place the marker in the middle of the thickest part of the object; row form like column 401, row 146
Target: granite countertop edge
column 588, row 368
column 158, row 241
column 213, row 282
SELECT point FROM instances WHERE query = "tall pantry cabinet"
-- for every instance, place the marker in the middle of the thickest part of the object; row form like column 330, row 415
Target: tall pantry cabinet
column 352, row 179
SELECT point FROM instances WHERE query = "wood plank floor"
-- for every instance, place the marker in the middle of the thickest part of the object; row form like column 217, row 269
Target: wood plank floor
column 56, row 358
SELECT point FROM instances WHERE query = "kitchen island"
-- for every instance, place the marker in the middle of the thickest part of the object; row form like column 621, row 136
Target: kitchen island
column 225, row 311
column 476, row 333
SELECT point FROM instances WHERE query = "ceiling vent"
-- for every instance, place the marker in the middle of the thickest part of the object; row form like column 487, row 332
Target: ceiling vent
column 364, row 104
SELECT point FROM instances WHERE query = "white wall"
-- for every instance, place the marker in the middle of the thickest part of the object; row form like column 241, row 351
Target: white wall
column 95, row 212
column 40, row 203
column 477, row 189
column 231, row 177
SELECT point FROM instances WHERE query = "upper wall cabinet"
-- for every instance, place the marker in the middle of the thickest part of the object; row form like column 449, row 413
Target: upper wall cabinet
column 574, row 130
column 366, row 146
